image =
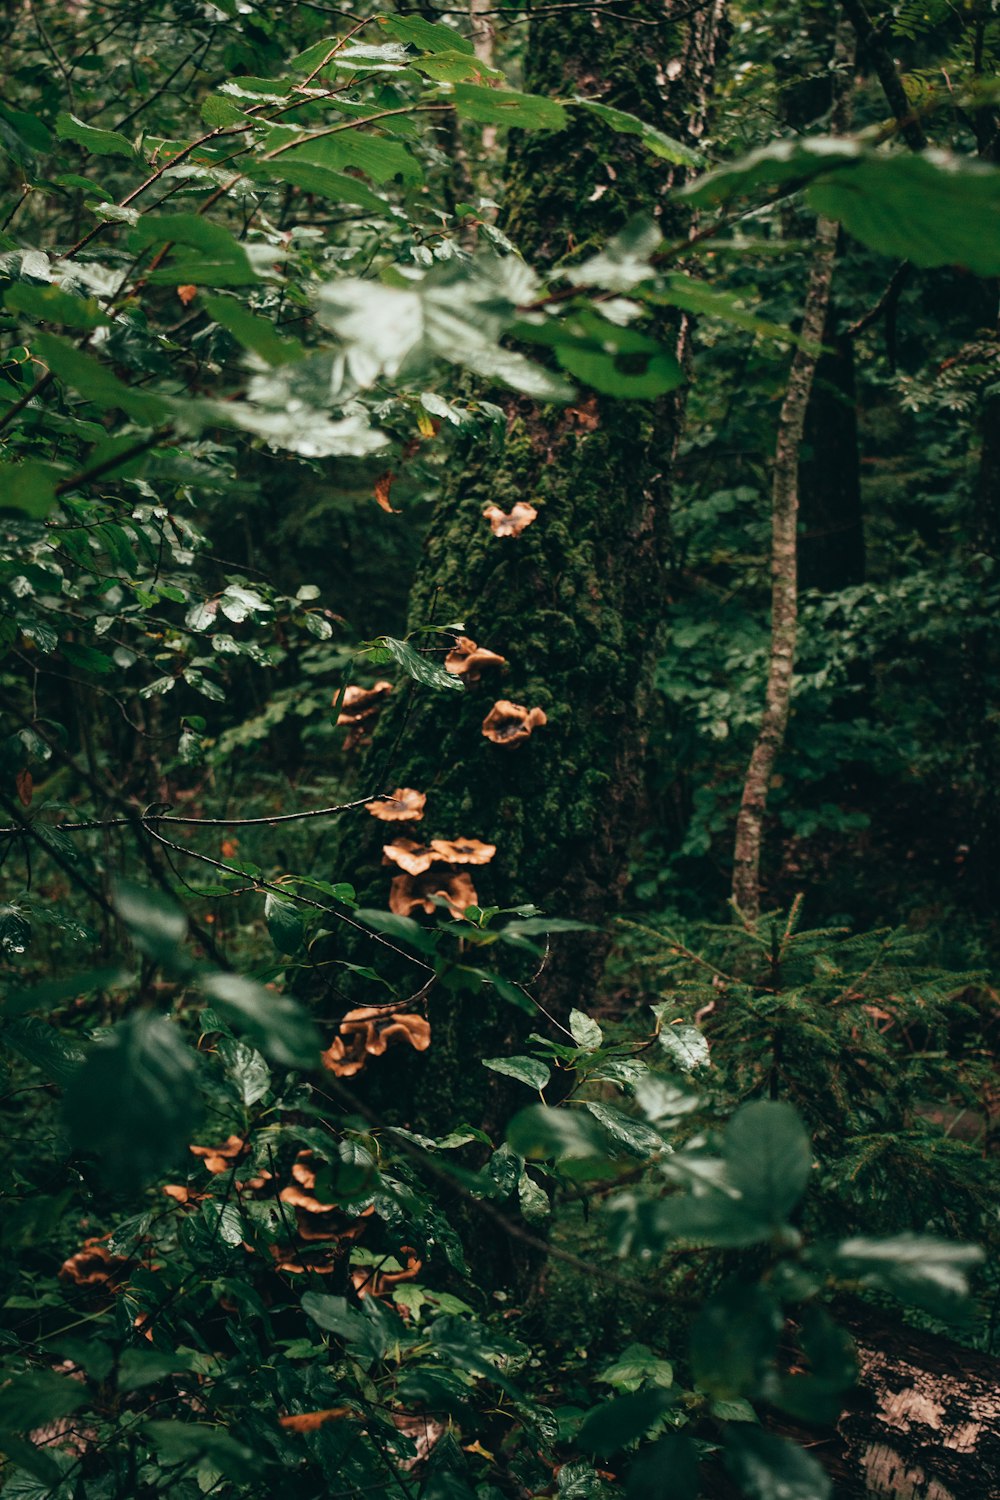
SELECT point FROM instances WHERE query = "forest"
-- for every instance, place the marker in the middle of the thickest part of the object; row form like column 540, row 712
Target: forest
column 586, row 1090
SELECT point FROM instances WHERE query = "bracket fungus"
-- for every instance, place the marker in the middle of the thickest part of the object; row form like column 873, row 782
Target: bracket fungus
column 511, row 723
column 359, row 706
column 510, row 523
column 404, row 806
column 415, row 858
column 409, row 893
column 368, row 1032
column 221, row 1158
column 468, row 660
column 94, row 1265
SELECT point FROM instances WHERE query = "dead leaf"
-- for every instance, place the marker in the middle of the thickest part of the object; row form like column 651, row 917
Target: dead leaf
column 25, row 787
column 187, row 294
column 383, row 485
column 308, row 1421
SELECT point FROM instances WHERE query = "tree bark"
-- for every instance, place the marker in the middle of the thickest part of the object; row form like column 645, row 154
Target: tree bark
column 575, row 603
column 784, row 580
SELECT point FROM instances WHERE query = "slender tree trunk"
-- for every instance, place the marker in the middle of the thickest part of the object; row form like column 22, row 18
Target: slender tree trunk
column 784, row 580
column 575, row 603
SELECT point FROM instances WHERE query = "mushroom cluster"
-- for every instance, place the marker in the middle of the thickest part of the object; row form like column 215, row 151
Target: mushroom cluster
column 322, row 1230
column 429, row 875
column 358, row 710
column 369, row 1032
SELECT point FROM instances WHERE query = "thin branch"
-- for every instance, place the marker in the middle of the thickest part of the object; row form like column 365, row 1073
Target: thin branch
column 140, row 817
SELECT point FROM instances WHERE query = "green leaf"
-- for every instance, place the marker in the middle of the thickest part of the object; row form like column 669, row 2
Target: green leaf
column 766, row 1467
column 188, row 1442
column 141, row 1367
column 768, row 1158
column 256, row 334
column 933, row 209
column 203, row 252
column 58, row 1056
column 534, row 1203
column 246, row 1069
column 285, row 923
column 132, row 1102
column 917, row 1268
column 505, row 107
column 613, row 1425
column 95, row 382
column 538, row 1133
column 156, row 924
column 52, row 305
column 733, row 1342
column 624, row 261
column 634, row 1366
column 426, row 36
column 661, row 145
column 685, row 1046
column 53, row 992
column 379, row 157
column 323, row 181
column 525, row 1069
column 30, row 486
column 630, row 1134
column 37, row 1397
column 97, row 142
column 420, row 668
column 668, row 1470
column 334, row 1316
column 275, row 1023
column 586, row 1032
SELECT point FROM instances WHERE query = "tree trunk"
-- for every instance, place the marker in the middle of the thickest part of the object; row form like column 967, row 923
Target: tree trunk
column 575, row 603
column 784, row 580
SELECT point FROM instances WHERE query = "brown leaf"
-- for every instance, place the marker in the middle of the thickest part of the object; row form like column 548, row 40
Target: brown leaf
column 187, row 294
column 25, row 787
column 383, row 485
column 308, row 1421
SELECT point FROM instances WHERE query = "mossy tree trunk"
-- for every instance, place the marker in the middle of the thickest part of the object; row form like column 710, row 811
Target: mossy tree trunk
column 576, row 602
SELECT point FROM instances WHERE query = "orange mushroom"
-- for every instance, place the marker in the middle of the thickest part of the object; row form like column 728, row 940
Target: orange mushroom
column 410, row 856
column 94, row 1265
column 367, row 1032
column 219, row 1158
column 463, row 851
column 408, row 894
column 359, row 706
column 512, row 523
column 379, row 1283
column 404, row 806
column 511, row 723
column 468, row 660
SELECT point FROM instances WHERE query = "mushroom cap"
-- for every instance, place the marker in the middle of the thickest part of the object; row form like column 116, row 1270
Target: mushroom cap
column 219, row 1158
column 368, row 1032
column 512, row 523
column 93, row 1264
column 463, row 851
column 361, row 702
column 510, row 723
column 415, row 858
column 409, row 893
column 410, row 856
column 466, row 659
column 406, row 805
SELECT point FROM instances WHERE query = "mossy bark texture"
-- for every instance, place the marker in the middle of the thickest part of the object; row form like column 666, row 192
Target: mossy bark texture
column 576, row 601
